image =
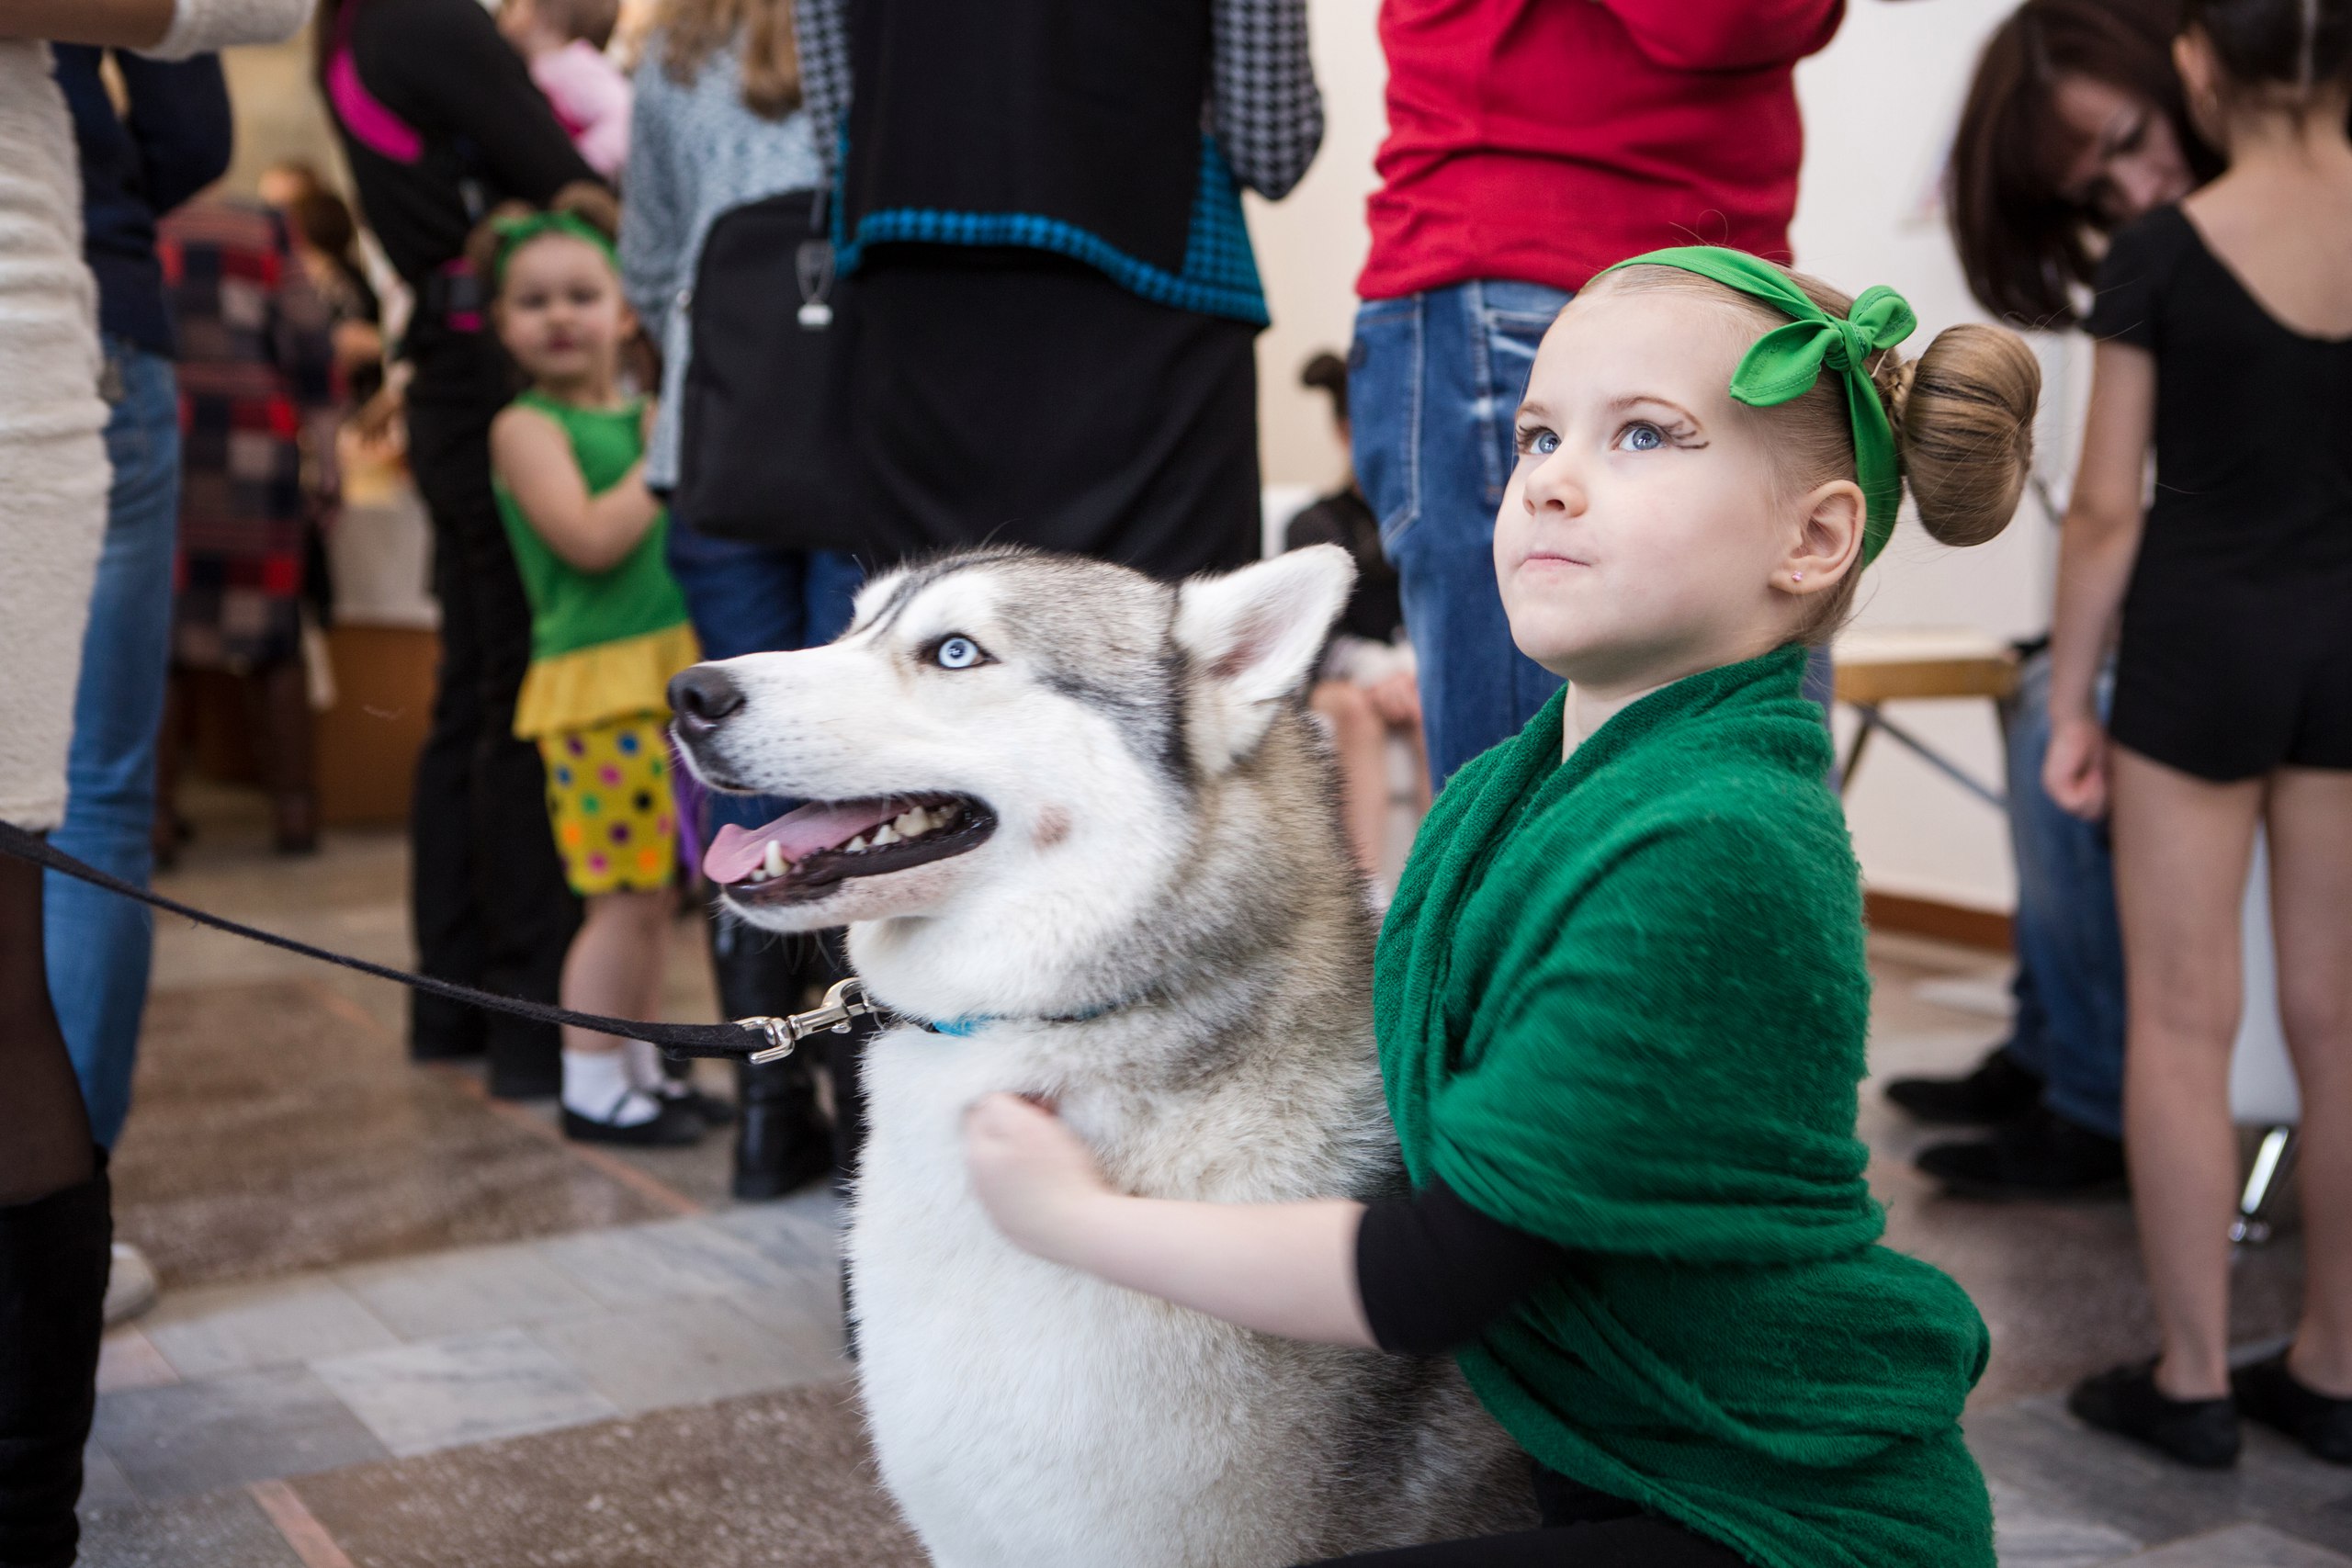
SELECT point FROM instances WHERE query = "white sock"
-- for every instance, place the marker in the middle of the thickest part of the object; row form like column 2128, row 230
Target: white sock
column 596, row 1085
column 645, row 1071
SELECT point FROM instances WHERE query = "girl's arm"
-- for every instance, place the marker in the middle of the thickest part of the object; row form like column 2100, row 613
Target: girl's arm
column 532, row 458
column 120, row 24
column 2097, row 544
column 1287, row 1268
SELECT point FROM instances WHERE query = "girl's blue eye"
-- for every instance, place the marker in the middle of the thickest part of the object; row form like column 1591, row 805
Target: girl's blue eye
column 1542, row 443
column 1643, row 438
column 957, row 653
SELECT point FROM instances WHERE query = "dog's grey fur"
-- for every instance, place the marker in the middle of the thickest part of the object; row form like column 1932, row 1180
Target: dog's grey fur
column 1167, row 852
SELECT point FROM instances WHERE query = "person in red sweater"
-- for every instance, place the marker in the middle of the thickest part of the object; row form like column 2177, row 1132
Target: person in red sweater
column 1532, row 143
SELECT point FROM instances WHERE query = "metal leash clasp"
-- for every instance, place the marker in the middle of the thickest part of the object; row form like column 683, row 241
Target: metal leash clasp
column 844, row 1002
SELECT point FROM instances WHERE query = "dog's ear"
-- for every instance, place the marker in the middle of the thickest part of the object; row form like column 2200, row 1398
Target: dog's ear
column 1253, row 635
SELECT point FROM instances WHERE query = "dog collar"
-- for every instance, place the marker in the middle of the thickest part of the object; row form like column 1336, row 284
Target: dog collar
column 971, row 1024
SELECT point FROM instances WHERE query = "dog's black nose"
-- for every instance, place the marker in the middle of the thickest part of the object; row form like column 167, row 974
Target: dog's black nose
column 702, row 696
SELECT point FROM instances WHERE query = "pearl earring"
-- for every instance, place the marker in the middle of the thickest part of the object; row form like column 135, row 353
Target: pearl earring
column 1796, row 577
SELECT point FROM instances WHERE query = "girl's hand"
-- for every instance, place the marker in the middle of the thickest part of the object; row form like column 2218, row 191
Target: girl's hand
column 1035, row 1177
column 2074, row 769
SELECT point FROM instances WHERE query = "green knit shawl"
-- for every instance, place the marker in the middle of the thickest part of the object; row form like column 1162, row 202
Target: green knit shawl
column 571, row 609
column 1621, row 1004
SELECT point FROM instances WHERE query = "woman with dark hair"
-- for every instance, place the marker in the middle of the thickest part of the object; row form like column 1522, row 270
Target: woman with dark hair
column 2073, row 124
column 440, row 122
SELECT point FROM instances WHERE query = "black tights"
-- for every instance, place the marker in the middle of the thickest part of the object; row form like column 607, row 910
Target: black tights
column 1582, row 1529
column 44, row 1132
column 54, row 1236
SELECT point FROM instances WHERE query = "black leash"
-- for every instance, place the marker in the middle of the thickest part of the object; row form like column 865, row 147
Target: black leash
column 746, row 1039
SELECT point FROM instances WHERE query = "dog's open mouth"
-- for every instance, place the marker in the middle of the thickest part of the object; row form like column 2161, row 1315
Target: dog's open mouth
column 804, row 855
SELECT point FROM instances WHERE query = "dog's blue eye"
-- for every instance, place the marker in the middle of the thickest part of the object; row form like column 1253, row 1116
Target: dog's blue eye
column 957, row 653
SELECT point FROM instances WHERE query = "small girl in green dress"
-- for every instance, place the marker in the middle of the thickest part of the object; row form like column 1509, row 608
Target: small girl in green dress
column 608, row 629
column 1621, row 996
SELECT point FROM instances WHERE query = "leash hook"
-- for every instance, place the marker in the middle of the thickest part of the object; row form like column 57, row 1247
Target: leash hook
column 844, row 1002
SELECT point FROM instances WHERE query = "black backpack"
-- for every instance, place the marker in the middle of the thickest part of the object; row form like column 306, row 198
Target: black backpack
column 763, row 453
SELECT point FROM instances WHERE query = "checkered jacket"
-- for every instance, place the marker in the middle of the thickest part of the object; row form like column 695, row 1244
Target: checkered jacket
column 1263, row 106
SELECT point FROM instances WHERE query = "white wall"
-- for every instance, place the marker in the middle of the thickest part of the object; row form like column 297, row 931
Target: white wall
column 1879, row 104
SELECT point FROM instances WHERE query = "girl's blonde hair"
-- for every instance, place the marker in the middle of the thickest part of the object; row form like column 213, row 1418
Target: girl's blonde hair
column 486, row 248
column 1963, row 414
column 692, row 30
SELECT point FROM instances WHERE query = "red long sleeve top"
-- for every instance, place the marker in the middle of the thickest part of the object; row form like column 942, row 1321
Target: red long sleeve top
column 1544, row 139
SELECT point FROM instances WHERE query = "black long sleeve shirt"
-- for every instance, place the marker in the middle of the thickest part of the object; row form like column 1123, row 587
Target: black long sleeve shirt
column 1434, row 1272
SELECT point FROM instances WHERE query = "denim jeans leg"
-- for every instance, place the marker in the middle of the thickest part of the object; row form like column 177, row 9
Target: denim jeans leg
column 746, row 598
column 2070, row 945
column 99, row 946
column 1434, row 382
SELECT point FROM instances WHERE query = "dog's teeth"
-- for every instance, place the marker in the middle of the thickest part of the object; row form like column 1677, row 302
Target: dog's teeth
column 856, row 843
column 913, row 824
column 773, row 863
column 886, row 834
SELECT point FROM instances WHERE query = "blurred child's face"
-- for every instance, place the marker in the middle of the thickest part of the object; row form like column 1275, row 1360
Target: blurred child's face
column 518, row 21
column 1643, row 536
column 560, row 312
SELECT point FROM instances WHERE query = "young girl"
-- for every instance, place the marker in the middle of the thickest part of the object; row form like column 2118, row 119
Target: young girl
column 608, row 629
column 2225, row 328
column 1621, row 996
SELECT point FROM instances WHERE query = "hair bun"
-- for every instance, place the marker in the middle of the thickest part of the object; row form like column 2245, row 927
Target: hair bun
column 1965, row 429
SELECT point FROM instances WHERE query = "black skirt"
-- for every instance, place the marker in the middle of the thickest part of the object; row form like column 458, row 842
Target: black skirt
column 1010, row 396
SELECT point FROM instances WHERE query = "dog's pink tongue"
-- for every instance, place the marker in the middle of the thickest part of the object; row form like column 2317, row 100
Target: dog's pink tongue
column 736, row 852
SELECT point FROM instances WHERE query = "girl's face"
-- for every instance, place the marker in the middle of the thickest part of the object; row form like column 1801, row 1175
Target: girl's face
column 2126, row 161
column 1644, row 535
column 560, row 312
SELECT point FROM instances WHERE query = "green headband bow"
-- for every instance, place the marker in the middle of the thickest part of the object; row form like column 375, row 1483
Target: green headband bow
column 518, row 230
column 1780, row 365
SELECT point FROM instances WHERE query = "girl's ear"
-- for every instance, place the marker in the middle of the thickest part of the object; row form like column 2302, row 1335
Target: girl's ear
column 2200, row 82
column 1828, row 543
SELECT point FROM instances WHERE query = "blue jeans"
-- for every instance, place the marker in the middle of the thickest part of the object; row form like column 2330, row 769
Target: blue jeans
column 2070, row 949
column 1434, row 381
column 754, row 599
column 99, row 945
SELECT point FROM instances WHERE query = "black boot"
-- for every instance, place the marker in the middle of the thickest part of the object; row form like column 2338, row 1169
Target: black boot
column 54, row 1259
column 2040, row 1155
column 781, row 1140
column 2000, row 1088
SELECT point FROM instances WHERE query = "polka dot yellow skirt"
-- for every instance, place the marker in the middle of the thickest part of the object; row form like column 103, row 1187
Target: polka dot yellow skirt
column 608, row 792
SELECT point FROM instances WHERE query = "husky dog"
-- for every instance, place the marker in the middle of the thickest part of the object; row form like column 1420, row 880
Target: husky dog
column 1077, row 821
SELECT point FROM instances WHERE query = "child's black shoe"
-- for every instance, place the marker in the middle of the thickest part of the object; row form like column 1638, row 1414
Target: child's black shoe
column 2126, row 1401
column 2275, row 1397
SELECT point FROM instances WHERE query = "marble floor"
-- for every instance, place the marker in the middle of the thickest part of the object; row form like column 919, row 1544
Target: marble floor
column 407, row 1326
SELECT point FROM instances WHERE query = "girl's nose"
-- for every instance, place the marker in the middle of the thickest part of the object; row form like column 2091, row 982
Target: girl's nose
column 1554, row 485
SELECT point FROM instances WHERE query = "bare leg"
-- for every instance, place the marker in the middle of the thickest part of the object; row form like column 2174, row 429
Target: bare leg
column 2310, row 818
column 614, row 964
column 1359, row 740
column 2182, row 846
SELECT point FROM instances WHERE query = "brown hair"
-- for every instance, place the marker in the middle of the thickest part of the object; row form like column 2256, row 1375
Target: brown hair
column 2301, row 45
column 585, row 200
column 587, row 21
column 694, row 29
column 2022, row 244
column 1963, row 414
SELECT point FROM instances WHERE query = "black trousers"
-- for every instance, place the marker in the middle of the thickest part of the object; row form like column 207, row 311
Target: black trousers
column 1582, row 1529
column 1012, row 396
column 491, row 904
column 53, row 1262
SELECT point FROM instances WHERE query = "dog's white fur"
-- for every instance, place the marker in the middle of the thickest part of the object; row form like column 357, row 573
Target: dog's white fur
column 1167, row 867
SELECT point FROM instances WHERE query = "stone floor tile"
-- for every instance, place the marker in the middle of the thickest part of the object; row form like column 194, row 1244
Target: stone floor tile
column 198, row 1437
column 220, row 1530
column 2037, row 1448
column 2030, row 1533
column 213, row 1329
column 464, row 1291
column 636, row 1266
column 796, row 1232
column 780, row 1479
column 690, row 1351
column 2329, row 1525
column 465, row 1388
column 128, row 1358
column 103, row 1483
column 2240, row 1546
